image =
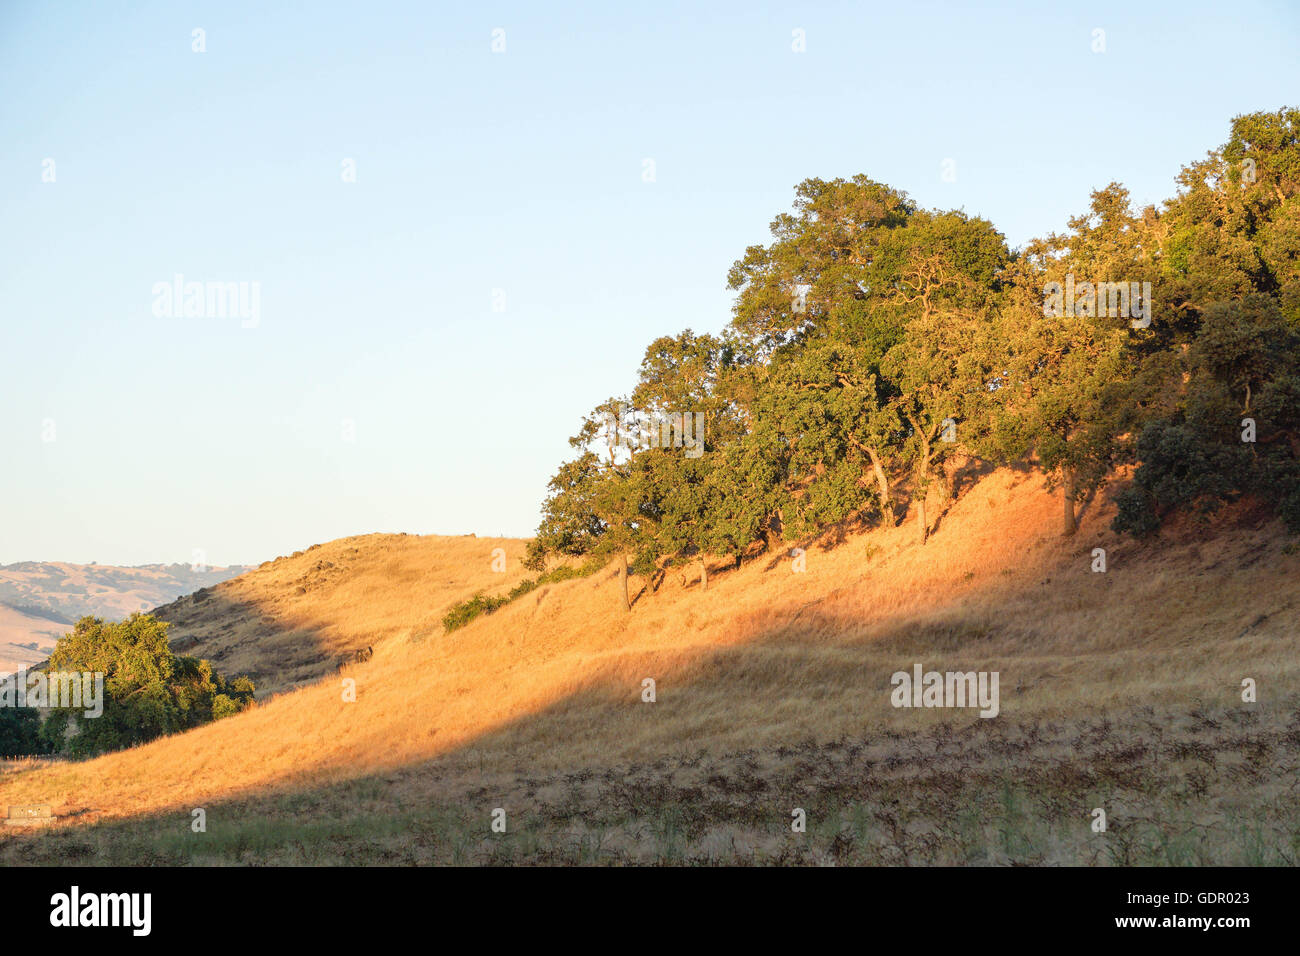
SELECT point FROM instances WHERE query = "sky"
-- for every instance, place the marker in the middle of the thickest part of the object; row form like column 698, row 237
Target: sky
column 465, row 222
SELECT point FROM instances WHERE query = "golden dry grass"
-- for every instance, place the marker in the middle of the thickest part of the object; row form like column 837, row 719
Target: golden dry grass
column 297, row 618
column 766, row 661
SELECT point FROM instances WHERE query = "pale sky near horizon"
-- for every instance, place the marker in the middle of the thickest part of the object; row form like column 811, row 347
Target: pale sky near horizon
column 127, row 437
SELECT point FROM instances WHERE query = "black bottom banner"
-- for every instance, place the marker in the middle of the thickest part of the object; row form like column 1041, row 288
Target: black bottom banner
column 301, row 905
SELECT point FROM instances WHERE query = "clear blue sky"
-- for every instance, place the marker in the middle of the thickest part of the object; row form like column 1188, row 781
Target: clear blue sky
column 475, row 171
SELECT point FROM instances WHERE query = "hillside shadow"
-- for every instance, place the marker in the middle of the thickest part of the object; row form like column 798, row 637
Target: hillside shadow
column 241, row 638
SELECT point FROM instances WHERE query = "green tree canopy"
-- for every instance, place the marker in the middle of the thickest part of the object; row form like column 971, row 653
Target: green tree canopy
column 148, row 690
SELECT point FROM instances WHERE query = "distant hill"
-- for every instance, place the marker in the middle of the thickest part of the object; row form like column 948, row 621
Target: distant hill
column 40, row 601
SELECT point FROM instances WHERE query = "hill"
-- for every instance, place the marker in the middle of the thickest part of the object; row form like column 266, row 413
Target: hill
column 40, row 600
column 298, row 618
column 1119, row 690
column 27, row 637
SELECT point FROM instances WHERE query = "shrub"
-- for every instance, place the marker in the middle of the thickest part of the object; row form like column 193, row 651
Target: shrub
column 466, row 611
column 1135, row 514
column 148, row 690
column 20, row 733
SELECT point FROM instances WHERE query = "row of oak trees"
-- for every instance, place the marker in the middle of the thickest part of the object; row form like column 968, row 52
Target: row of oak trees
column 874, row 345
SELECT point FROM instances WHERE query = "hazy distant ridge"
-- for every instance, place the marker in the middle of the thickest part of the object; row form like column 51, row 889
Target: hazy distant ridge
column 40, row 600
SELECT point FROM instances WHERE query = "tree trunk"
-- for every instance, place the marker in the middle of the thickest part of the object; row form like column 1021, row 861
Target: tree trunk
column 1067, row 495
column 622, row 574
column 704, row 575
column 882, row 483
column 948, row 476
column 922, row 490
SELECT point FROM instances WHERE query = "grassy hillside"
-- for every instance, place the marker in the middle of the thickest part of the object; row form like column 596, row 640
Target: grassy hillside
column 1119, row 690
column 297, row 618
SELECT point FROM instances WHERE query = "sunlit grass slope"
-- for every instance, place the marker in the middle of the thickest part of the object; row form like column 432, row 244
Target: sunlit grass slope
column 767, row 661
column 296, row 618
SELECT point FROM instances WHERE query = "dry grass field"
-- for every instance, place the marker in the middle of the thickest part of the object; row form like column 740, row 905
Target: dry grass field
column 1119, row 690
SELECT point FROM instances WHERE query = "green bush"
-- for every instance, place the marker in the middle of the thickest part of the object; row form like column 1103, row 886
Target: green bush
column 464, row 612
column 148, row 690
column 1135, row 514
column 20, row 733
column 480, row 604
